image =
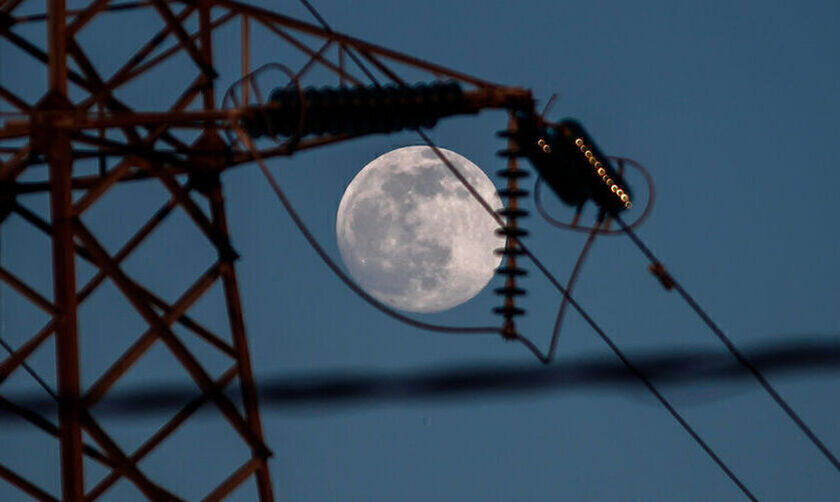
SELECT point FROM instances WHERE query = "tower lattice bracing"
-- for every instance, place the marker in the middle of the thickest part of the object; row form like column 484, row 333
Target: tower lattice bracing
column 78, row 118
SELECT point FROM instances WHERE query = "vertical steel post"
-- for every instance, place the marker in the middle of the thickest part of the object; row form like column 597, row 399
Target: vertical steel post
column 57, row 39
column 231, row 286
column 206, row 38
column 67, row 344
column 56, row 144
column 247, row 383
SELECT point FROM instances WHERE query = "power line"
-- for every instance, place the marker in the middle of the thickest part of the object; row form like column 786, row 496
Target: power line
column 629, row 365
column 570, row 285
column 317, row 15
column 670, row 283
column 447, row 329
column 313, row 242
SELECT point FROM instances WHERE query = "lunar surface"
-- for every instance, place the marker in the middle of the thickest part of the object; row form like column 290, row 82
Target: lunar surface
column 412, row 236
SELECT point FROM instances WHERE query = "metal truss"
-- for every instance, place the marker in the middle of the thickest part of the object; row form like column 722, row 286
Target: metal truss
column 134, row 144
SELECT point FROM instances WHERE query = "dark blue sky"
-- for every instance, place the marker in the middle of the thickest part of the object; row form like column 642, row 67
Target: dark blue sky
column 732, row 106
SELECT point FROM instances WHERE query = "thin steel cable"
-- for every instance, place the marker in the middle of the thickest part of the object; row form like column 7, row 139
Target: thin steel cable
column 570, row 286
column 629, row 365
column 533, row 258
column 732, row 349
column 313, row 242
column 29, row 370
column 9, row 348
column 548, row 356
column 450, row 329
column 317, row 15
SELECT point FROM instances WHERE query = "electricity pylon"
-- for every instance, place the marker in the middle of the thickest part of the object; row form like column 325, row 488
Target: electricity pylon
column 137, row 143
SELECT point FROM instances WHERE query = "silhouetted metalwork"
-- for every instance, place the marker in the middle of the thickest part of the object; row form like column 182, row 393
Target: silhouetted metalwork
column 570, row 162
column 131, row 143
column 509, row 228
column 356, row 110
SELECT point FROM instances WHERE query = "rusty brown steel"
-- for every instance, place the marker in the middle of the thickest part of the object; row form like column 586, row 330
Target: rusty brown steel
column 121, row 255
column 34, row 51
column 15, row 129
column 236, row 317
column 45, row 425
column 164, row 432
column 311, row 29
column 342, row 65
column 246, row 58
column 139, row 158
column 21, row 354
column 57, row 41
column 11, row 169
column 500, row 98
column 97, row 191
column 190, row 297
column 234, row 480
column 191, row 324
column 121, row 168
column 78, row 182
column 10, row 5
column 67, row 74
column 95, row 83
column 146, row 488
column 150, row 119
column 85, row 16
column 67, row 344
column 311, row 53
column 186, row 40
column 24, row 351
column 169, row 52
column 183, row 198
column 60, row 156
column 206, row 47
column 25, row 485
column 237, row 159
column 309, row 64
column 39, row 17
column 135, row 150
column 123, row 464
column 14, row 100
column 145, row 342
column 199, row 375
column 381, row 67
column 120, row 76
column 25, row 290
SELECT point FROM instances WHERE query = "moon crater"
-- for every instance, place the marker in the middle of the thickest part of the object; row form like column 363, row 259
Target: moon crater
column 412, row 236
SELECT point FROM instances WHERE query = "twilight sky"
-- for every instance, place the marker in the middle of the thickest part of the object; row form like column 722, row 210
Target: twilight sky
column 731, row 106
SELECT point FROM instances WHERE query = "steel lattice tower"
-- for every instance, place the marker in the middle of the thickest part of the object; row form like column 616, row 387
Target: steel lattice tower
column 145, row 145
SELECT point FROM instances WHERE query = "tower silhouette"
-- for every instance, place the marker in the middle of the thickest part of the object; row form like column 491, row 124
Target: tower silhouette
column 182, row 146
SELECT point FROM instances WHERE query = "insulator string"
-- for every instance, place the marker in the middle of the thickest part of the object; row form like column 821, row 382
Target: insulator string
column 512, row 211
column 601, row 333
column 538, row 202
column 313, row 242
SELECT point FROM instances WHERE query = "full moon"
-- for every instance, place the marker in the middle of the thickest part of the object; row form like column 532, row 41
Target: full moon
column 412, row 235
